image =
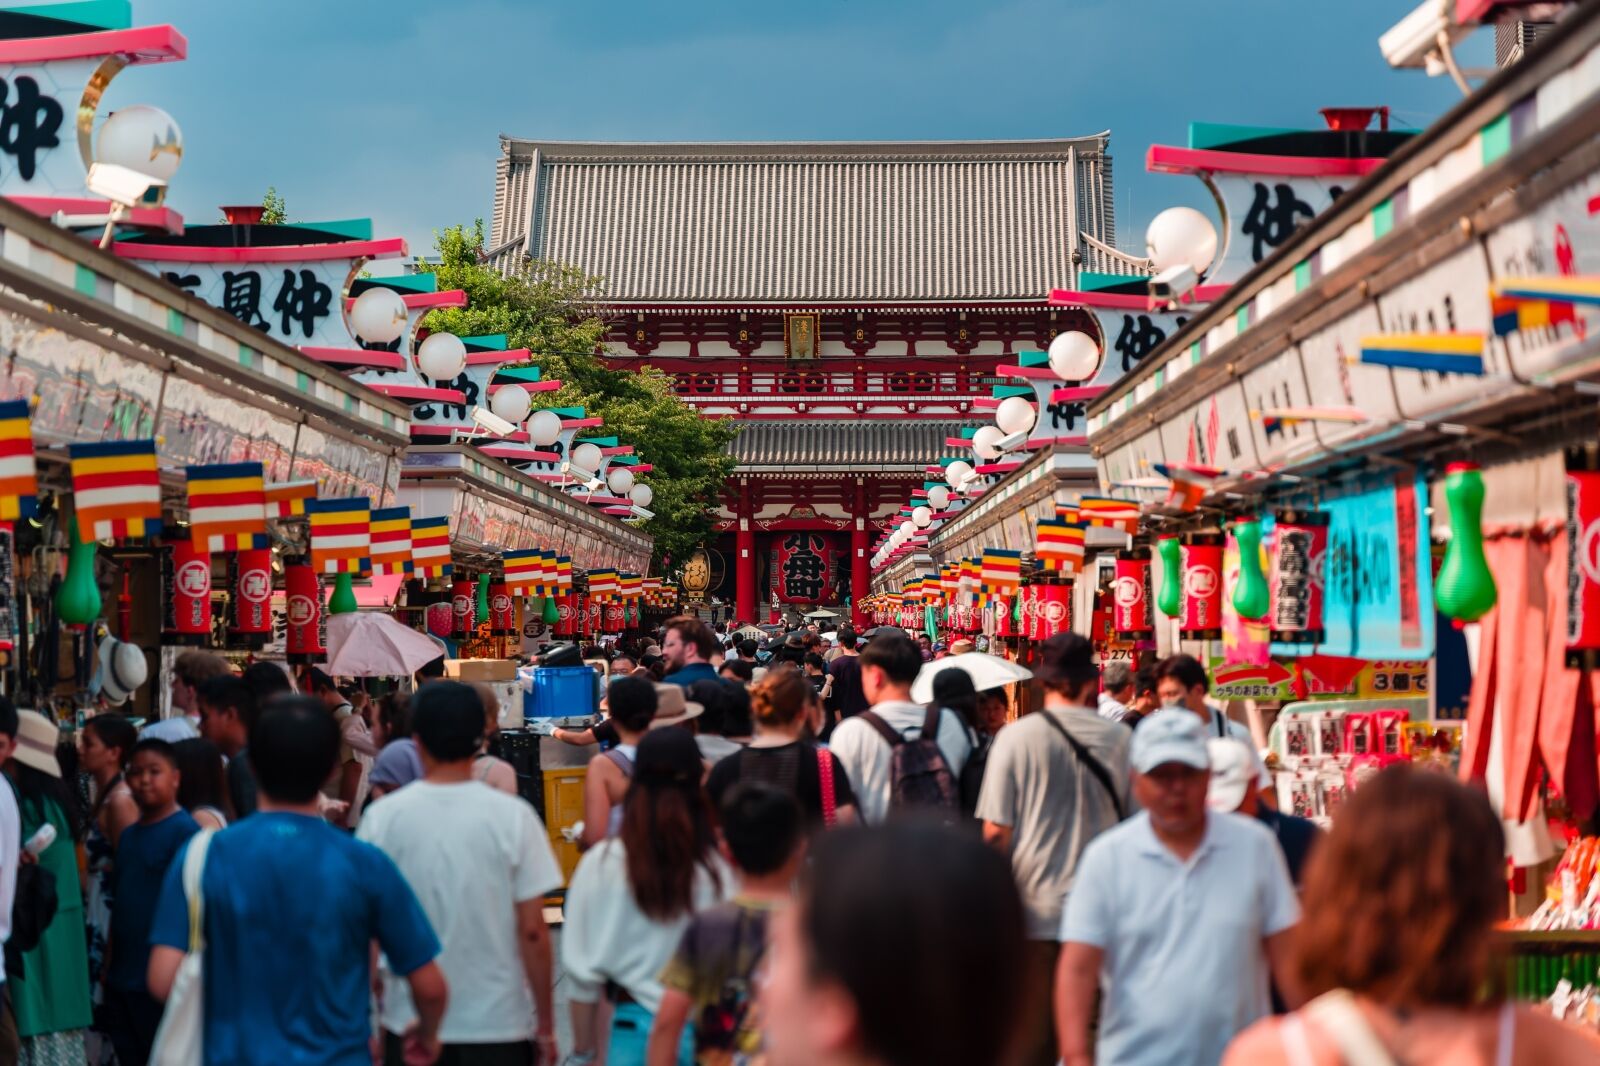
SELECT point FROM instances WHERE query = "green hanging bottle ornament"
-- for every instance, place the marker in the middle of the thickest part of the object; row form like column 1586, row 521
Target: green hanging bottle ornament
column 551, row 613
column 483, row 599
column 1170, row 599
column 342, row 600
column 1465, row 588
column 78, row 597
column 1250, row 598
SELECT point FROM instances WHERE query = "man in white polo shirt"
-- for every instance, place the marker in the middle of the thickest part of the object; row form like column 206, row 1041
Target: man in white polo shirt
column 1175, row 914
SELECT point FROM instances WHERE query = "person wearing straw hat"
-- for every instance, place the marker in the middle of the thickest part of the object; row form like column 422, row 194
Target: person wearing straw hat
column 51, row 998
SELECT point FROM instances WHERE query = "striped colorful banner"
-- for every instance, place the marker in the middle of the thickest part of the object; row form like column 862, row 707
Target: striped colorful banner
column 564, row 574
column 430, row 547
column 116, row 489
column 19, row 483
column 227, row 507
column 1002, row 570
column 1110, row 513
column 1446, row 353
column 341, row 535
column 1059, row 544
column 521, row 568
column 603, row 584
column 287, row 499
column 391, row 540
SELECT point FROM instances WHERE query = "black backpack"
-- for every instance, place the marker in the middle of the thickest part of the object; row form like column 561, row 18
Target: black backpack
column 919, row 776
column 33, row 908
column 972, row 772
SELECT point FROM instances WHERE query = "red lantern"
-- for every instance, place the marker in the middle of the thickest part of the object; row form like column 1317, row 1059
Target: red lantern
column 591, row 618
column 251, row 580
column 304, row 642
column 1003, row 626
column 567, row 610
column 615, row 618
column 1054, row 609
column 1130, row 599
column 1583, row 562
column 463, row 608
column 1201, row 618
column 1299, row 551
column 1029, row 626
column 187, row 571
column 502, row 612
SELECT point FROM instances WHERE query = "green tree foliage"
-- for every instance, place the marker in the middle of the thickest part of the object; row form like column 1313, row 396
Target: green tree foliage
column 277, row 212
column 557, row 312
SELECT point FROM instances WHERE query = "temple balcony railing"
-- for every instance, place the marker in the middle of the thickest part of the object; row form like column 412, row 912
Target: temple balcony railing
column 834, row 384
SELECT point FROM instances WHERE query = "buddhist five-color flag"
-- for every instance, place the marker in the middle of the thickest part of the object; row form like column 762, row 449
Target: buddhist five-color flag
column 1110, row 512
column 521, row 568
column 1447, row 353
column 430, row 547
column 227, row 507
column 287, row 499
column 116, row 489
column 341, row 535
column 564, row 574
column 1002, row 570
column 19, row 484
column 603, row 584
column 1058, row 545
column 391, row 540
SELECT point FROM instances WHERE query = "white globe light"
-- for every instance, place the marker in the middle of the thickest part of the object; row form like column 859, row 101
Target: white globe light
column 141, row 138
column 1181, row 236
column 986, row 442
column 922, row 517
column 1015, row 415
column 620, row 481
column 442, row 356
column 511, row 402
column 956, row 472
column 938, row 497
column 544, row 428
column 378, row 316
column 642, row 495
column 1074, row 356
column 587, row 458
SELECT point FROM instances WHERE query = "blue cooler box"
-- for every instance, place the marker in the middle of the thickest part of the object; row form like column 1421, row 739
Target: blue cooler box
column 563, row 692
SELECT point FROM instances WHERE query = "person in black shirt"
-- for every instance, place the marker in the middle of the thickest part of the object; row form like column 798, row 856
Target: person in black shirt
column 781, row 752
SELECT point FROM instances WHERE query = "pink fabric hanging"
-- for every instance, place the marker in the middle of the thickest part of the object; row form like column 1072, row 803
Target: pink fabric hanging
column 1520, row 565
column 1480, row 705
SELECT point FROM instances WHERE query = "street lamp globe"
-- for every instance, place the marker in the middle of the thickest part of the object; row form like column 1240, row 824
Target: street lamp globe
column 642, row 495
column 922, row 517
column 544, row 428
column 957, row 472
column 1181, row 236
column 620, row 481
column 939, row 497
column 511, row 402
column 986, row 442
column 1015, row 415
column 442, row 356
column 378, row 316
column 586, row 458
column 141, row 138
column 1074, row 356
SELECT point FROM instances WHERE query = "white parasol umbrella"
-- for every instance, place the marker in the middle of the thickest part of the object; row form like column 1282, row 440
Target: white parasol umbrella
column 987, row 671
column 820, row 613
column 747, row 633
column 371, row 644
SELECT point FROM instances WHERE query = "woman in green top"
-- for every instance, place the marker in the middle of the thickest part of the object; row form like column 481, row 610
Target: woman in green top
column 51, row 996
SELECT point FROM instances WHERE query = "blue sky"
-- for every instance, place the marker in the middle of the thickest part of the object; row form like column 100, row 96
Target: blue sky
column 392, row 108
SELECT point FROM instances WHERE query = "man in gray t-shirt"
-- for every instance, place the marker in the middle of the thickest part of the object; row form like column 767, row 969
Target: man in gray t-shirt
column 1042, row 801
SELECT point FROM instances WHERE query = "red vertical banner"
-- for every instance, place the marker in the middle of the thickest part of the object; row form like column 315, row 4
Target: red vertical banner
column 502, row 612
column 614, row 619
column 1130, row 598
column 251, row 582
column 591, row 617
column 1201, row 618
column 566, row 615
column 1003, row 625
column 188, row 593
column 1055, row 608
column 303, row 643
column 1299, row 554
column 463, row 608
column 1405, row 520
column 1583, row 563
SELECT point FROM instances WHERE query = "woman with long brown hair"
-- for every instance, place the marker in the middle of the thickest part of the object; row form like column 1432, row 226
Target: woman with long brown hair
column 782, row 753
column 1400, row 902
column 633, row 893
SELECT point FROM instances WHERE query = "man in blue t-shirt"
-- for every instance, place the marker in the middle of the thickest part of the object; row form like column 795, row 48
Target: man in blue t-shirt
column 688, row 646
column 292, row 906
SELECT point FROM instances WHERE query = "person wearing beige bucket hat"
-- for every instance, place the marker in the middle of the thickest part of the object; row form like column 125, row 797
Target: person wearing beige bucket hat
column 51, row 1000
column 673, row 707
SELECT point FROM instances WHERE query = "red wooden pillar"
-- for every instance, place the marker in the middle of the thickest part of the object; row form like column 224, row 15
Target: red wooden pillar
column 860, row 574
column 745, row 561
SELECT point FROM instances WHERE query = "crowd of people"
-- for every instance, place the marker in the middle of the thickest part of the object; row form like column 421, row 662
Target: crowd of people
column 786, row 860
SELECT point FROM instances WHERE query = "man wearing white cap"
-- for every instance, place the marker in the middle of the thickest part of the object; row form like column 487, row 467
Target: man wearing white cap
column 1237, row 777
column 1180, row 909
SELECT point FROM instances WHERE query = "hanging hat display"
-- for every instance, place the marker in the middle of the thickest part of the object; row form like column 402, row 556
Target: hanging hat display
column 120, row 669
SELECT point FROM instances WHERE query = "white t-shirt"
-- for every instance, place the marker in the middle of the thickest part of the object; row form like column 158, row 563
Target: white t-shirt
column 470, row 853
column 866, row 756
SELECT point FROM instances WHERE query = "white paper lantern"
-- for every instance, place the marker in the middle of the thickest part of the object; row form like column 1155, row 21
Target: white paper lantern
column 986, row 442
column 642, row 495
column 587, row 458
column 938, row 497
column 1015, row 415
column 511, row 402
column 1074, row 356
column 619, row 481
column 141, row 138
column 442, row 356
column 544, row 428
column 378, row 316
column 922, row 517
column 956, row 472
column 1181, row 236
